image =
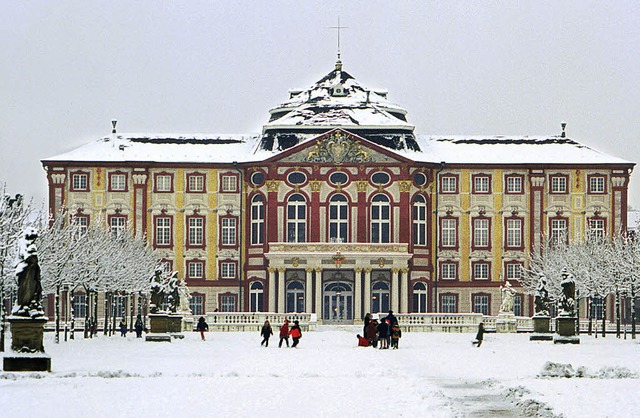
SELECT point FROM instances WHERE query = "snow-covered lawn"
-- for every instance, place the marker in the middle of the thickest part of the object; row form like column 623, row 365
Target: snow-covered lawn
column 231, row 375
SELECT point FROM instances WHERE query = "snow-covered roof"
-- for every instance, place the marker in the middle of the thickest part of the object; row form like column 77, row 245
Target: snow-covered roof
column 201, row 148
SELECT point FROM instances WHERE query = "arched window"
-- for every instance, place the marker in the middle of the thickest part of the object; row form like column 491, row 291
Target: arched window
column 420, row 297
column 295, row 297
column 380, row 296
column 380, row 219
column 419, row 221
column 257, row 220
column 338, row 218
column 296, row 218
column 256, row 297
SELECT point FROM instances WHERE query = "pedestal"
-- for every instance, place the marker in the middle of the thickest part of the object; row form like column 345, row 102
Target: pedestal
column 566, row 332
column 506, row 323
column 174, row 326
column 541, row 329
column 158, row 328
column 26, row 345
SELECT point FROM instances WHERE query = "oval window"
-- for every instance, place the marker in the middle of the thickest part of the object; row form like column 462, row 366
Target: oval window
column 420, row 179
column 296, row 177
column 257, row 178
column 380, row 178
column 338, row 178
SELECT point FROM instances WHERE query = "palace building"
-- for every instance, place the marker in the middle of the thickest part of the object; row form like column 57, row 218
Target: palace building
column 339, row 208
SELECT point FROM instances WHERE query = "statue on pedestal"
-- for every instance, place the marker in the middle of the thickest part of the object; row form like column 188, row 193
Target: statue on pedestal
column 541, row 297
column 28, row 275
column 183, row 291
column 507, row 294
column 567, row 302
column 157, row 291
column 173, row 287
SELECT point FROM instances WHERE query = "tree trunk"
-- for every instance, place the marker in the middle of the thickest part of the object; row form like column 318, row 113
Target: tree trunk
column 57, row 314
column 131, row 312
column 106, row 314
column 590, row 314
column 604, row 317
column 73, row 314
column 2, row 310
column 617, row 314
column 94, row 321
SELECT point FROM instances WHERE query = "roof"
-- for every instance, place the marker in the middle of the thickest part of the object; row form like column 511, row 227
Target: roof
column 203, row 148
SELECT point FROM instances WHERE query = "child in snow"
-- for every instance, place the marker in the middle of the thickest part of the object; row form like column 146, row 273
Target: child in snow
column 123, row 328
column 202, row 327
column 284, row 333
column 266, row 333
column 396, row 333
column 362, row 342
column 296, row 333
column 479, row 335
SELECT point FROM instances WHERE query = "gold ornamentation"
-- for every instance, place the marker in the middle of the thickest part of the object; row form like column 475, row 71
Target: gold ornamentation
column 338, row 148
column 405, row 186
column 358, row 270
column 315, row 185
column 273, row 185
column 381, row 262
column 395, row 270
column 338, row 259
column 295, row 262
column 309, row 269
column 281, row 270
column 362, row 185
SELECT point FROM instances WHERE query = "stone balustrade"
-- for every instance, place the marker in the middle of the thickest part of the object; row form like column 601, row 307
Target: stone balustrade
column 253, row 321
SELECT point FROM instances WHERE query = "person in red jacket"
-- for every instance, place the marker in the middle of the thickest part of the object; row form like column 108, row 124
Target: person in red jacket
column 284, row 333
column 295, row 333
column 362, row 342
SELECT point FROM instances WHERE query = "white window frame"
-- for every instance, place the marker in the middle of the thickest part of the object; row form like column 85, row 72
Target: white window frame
column 449, row 184
column 558, row 184
column 419, row 221
column 514, row 232
column 229, row 183
column 597, row 184
column 481, row 271
column 481, row 232
column 449, row 304
column 339, row 218
column 196, row 183
column 196, row 230
column 80, row 181
column 296, row 219
column 118, row 182
column 514, row 184
column 229, row 231
column 228, row 270
column 480, row 304
column 449, row 233
column 117, row 226
column 257, row 220
column 195, row 269
column 163, row 230
column 163, row 182
column 449, row 271
column 481, row 184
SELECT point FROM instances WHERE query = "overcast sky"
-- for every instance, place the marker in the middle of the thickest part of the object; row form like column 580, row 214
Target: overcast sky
column 514, row 67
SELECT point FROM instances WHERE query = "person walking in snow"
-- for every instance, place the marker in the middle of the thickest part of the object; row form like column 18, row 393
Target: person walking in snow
column 396, row 333
column 138, row 326
column 479, row 335
column 202, row 327
column 266, row 333
column 123, row 328
column 296, row 333
column 284, row 333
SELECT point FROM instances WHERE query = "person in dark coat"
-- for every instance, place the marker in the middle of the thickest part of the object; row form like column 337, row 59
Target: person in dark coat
column 366, row 321
column 362, row 342
column 202, row 327
column 392, row 319
column 296, row 333
column 371, row 333
column 284, row 333
column 479, row 335
column 123, row 328
column 266, row 333
column 138, row 327
column 383, row 334
column 396, row 333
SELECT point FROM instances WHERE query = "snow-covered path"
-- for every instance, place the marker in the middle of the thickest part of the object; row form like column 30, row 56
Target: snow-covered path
column 231, row 375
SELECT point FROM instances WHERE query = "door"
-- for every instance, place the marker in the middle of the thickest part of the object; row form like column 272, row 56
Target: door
column 338, row 303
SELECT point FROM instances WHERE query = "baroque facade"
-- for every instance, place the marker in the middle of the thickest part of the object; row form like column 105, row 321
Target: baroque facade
column 338, row 208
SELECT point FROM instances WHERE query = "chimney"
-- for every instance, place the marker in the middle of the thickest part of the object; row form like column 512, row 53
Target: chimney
column 564, row 125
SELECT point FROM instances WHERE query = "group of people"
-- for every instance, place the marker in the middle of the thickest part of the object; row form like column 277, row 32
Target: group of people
column 137, row 326
column 387, row 332
column 285, row 332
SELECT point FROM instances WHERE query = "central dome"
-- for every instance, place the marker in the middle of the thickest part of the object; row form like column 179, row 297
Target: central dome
column 338, row 101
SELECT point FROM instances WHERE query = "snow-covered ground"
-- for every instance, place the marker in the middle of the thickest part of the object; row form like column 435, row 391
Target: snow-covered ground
column 231, row 375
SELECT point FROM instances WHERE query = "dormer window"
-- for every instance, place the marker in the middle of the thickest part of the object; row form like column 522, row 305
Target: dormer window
column 339, row 90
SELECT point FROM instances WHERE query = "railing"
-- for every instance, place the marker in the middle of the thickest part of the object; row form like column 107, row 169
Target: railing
column 253, row 321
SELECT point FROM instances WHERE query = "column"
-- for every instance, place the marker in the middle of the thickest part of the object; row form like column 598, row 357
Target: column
column 272, row 289
column 314, row 216
column 271, row 225
column 308, row 302
column 140, row 202
column 367, row 290
column 362, row 186
column 319, row 294
column 281, row 290
column 536, row 219
column 357, row 295
column 394, row 289
column 404, row 291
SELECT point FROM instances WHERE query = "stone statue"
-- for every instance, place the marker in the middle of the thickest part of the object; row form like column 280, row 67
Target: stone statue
column 174, row 292
column 28, row 275
column 183, row 291
column 541, row 297
column 567, row 302
column 507, row 294
column 157, row 291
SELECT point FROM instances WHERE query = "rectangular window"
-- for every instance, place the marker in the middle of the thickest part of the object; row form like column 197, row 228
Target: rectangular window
column 481, row 184
column 597, row 308
column 195, row 269
column 163, row 231
column 449, row 304
column 596, row 228
column 597, row 185
column 449, row 232
column 196, row 304
column 514, row 233
column 481, row 233
column 513, row 271
column 117, row 226
column 228, row 231
column 517, row 305
column 559, row 184
column 227, row 303
column 449, row 271
column 195, row 183
column 80, row 182
column 481, row 304
column 80, row 306
column 196, row 231
column 514, row 185
column 480, row 271
column 449, row 184
column 228, row 270
column 229, row 183
column 118, row 304
column 117, row 182
column 164, row 183
column 419, row 221
column 558, row 231
column 82, row 224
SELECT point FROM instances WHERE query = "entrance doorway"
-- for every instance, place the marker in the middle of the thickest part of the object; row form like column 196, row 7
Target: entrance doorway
column 338, row 303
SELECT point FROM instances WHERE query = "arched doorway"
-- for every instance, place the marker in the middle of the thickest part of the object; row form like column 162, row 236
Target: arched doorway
column 338, row 303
